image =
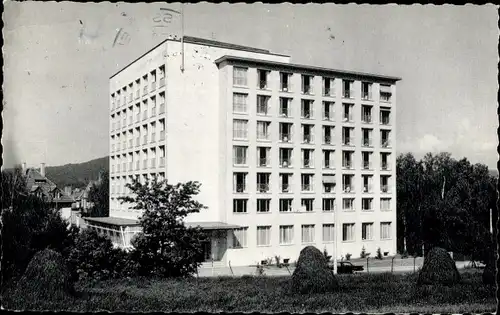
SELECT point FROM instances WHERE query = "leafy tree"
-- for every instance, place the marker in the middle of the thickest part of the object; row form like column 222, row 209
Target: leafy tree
column 166, row 247
column 99, row 196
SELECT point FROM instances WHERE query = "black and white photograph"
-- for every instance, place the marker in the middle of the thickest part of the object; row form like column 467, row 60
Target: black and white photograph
column 251, row 157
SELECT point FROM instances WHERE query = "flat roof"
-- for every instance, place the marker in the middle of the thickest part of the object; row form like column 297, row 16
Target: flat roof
column 131, row 222
column 207, row 42
column 212, row 225
column 304, row 68
column 113, row 221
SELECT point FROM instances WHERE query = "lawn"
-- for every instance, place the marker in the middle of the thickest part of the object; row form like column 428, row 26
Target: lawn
column 368, row 293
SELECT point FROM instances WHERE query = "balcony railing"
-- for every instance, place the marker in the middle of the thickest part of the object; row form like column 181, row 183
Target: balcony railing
column 385, row 166
column 349, row 188
column 308, row 138
column 367, row 142
column 347, row 117
column 284, row 87
column 385, row 97
column 263, row 188
column 306, row 187
column 367, row 165
column 348, row 140
column 347, row 164
column 124, row 145
column 348, row 93
column 263, row 162
column 262, row 109
column 263, row 84
column 366, row 96
column 327, row 139
column 262, row 135
column 384, row 188
column 384, row 120
column 286, row 188
column 153, row 86
column 367, row 188
column 328, row 91
column 385, row 143
column 366, row 119
column 328, row 188
column 328, row 164
column 307, row 163
column 328, row 115
column 118, row 168
column 284, row 112
column 162, row 161
column 307, row 114
column 162, row 82
column 307, row 89
column 285, row 163
column 285, row 137
column 117, row 147
column 162, row 135
column 240, row 188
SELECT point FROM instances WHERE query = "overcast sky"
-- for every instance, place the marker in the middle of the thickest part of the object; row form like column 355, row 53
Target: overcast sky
column 58, row 58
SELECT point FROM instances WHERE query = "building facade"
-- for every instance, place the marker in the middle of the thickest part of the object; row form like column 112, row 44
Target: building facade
column 288, row 155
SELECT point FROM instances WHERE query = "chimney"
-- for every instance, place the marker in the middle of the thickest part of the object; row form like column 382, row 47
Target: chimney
column 23, row 167
column 42, row 169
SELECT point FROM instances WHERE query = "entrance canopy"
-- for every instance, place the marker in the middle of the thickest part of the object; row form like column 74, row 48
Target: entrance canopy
column 113, row 221
column 212, row 225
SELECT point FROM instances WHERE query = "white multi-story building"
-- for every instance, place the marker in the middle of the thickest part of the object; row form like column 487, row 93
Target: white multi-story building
column 287, row 155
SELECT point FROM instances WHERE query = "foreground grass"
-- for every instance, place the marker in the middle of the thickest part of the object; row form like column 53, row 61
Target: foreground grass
column 360, row 293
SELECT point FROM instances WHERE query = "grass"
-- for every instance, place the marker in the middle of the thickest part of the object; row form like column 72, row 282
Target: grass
column 368, row 293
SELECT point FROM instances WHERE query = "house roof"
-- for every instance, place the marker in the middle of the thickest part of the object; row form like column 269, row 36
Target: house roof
column 302, row 68
column 36, row 182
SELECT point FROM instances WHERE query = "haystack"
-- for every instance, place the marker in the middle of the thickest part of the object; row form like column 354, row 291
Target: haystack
column 312, row 274
column 46, row 277
column 438, row 268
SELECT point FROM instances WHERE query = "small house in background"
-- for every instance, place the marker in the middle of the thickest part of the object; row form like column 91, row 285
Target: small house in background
column 81, row 196
column 38, row 184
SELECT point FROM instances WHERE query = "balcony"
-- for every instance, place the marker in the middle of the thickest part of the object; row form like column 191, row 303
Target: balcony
column 144, row 115
column 307, row 187
column 306, row 114
column 162, row 160
column 286, row 188
column 367, row 165
column 348, row 141
column 366, row 96
column 240, row 188
column 327, row 140
column 367, row 119
column 367, row 189
column 162, row 135
column 284, row 87
column 328, row 189
column 308, row 138
column 385, row 166
column 348, row 188
column 367, row 142
column 347, row 165
column 307, row 163
column 328, row 115
column 348, row 94
column 328, row 91
column 162, row 82
column 285, row 137
column 262, row 109
column 385, row 143
column 153, row 137
column 262, row 84
column 145, row 91
column 385, row 97
column 347, row 117
column 329, row 164
column 162, row 108
column 263, row 188
column 285, row 163
column 153, row 86
column 384, row 188
column 263, row 162
column 384, row 120
column 285, row 112
column 144, row 164
column 307, row 89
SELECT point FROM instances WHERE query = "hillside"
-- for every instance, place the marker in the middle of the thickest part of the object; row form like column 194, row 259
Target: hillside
column 77, row 175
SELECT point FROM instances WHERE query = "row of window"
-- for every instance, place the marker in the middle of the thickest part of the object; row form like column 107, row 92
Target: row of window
column 285, row 158
column 286, row 234
column 308, row 205
column 240, row 79
column 147, row 81
column 127, row 118
column 307, row 109
column 307, row 136
column 124, row 142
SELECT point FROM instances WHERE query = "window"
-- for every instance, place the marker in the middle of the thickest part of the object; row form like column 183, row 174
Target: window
column 307, row 158
column 307, row 109
column 385, row 116
column 367, row 231
column 366, row 90
column 240, row 129
column 285, row 205
column 285, row 180
column 263, row 205
column 308, row 204
column 385, row 204
column 367, row 183
column 384, row 161
column 348, row 232
column 240, row 237
column 367, row 160
column 328, row 111
column 328, row 232
column 286, row 234
column 240, row 102
column 385, row 93
column 384, row 183
column 367, row 137
column 347, row 91
column 240, row 76
column 262, row 104
column 328, row 134
column 263, row 235
column 262, row 79
column 240, row 205
column 385, row 140
column 285, row 81
column 307, row 84
column 240, row 155
column 348, row 183
column 347, row 157
column 385, row 230
column 366, row 114
column 308, row 233
column 285, row 130
column 285, row 157
column 307, row 133
column 239, row 182
column 329, row 159
column 263, row 156
column 263, row 182
column 285, row 107
column 328, row 87
column 307, row 182
column 348, row 204
column 263, row 130
column 348, row 108
column 367, row 204
column 347, row 136
column 328, row 204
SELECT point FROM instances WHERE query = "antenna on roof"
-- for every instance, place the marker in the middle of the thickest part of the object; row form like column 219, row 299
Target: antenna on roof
column 182, row 35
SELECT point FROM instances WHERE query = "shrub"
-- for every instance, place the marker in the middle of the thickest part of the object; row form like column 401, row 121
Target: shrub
column 348, row 256
column 278, row 261
column 489, row 273
column 46, row 277
column 438, row 268
column 379, row 254
column 327, row 257
column 93, row 258
column 363, row 253
column 312, row 274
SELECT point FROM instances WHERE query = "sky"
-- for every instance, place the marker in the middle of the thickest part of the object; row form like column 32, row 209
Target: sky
column 58, row 58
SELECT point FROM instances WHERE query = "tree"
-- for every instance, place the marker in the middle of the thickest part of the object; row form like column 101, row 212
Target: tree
column 166, row 247
column 99, row 196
